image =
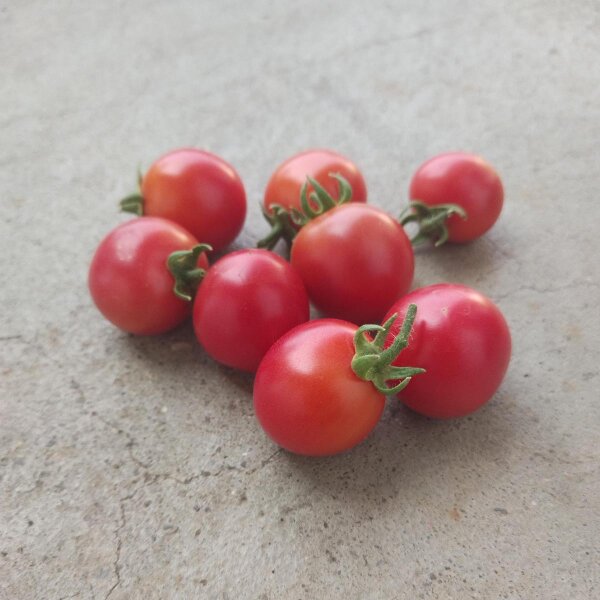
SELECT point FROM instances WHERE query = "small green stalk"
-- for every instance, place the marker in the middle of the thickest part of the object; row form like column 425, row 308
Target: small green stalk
column 286, row 222
column 320, row 201
column 134, row 203
column 372, row 362
column 282, row 227
column 183, row 265
column 431, row 220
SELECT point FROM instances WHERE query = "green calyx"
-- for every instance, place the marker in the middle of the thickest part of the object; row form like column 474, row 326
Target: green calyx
column 183, row 265
column 286, row 222
column 134, row 203
column 282, row 227
column 431, row 220
column 319, row 201
column 372, row 362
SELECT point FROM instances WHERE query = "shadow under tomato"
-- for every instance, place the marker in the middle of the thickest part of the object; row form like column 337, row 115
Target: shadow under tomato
column 177, row 354
column 469, row 264
column 408, row 455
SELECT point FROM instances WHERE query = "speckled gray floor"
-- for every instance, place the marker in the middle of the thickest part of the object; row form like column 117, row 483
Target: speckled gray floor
column 133, row 468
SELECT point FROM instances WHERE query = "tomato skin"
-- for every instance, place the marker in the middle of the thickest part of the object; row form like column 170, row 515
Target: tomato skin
column 462, row 340
column 247, row 301
column 129, row 280
column 198, row 190
column 355, row 260
column 306, row 396
column 287, row 180
column 463, row 179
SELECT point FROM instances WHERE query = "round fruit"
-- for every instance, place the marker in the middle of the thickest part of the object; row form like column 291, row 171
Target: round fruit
column 461, row 339
column 247, row 300
column 129, row 280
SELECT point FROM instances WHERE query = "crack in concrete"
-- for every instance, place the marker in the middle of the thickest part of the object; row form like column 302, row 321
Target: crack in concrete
column 119, row 540
column 131, row 442
column 545, row 290
column 151, row 478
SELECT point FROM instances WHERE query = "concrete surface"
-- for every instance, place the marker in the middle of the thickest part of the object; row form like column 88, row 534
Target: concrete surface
column 133, row 468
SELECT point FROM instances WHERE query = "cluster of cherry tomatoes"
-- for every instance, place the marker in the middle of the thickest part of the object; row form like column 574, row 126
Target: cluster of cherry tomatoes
column 320, row 384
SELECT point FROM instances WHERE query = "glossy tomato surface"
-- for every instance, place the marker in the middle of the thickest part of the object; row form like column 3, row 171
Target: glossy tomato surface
column 306, row 396
column 198, row 190
column 461, row 339
column 247, row 301
column 129, row 280
column 287, row 180
column 355, row 260
column 463, row 179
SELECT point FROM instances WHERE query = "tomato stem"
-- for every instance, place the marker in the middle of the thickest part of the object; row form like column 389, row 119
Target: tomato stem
column 183, row 265
column 286, row 222
column 281, row 227
column 431, row 220
column 372, row 362
column 134, row 203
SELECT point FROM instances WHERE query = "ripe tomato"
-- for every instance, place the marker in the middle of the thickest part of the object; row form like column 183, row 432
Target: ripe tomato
column 306, row 396
column 129, row 280
column 287, row 180
column 462, row 341
column 248, row 300
column 321, row 388
column 466, row 180
column 355, row 260
column 196, row 189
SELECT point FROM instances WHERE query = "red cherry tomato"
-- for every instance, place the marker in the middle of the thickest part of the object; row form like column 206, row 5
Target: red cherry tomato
column 248, row 300
column 307, row 398
column 466, row 180
column 462, row 341
column 198, row 190
column 129, row 280
column 287, row 180
column 355, row 260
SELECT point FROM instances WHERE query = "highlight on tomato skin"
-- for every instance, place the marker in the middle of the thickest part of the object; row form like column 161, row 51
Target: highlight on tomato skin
column 247, row 300
column 464, row 180
column 462, row 340
column 196, row 189
column 129, row 280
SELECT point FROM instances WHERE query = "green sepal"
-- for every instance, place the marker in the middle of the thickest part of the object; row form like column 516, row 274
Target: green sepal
column 286, row 222
column 282, row 227
column 134, row 203
column 183, row 265
column 431, row 220
column 373, row 362
column 320, row 201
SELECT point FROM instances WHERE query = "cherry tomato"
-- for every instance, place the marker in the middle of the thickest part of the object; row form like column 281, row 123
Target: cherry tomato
column 287, row 180
column 307, row 398
column 466, row 180
column 355, row 260
column 129, row 280
column 462, row 341
column 196, row 189
column 247, row 300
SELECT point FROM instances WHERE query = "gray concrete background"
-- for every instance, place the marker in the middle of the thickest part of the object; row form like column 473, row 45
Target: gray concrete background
column 134, row 468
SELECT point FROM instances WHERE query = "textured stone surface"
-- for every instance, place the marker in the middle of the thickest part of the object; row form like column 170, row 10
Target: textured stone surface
column 133, row 468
